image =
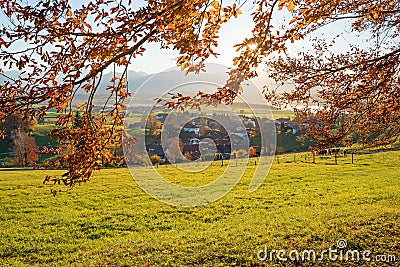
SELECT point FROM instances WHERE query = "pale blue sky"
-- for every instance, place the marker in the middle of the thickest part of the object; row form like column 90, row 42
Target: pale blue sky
column 233, row 32
column 156, row 60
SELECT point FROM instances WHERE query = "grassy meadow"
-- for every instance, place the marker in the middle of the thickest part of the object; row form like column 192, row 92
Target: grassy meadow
column 111, row 221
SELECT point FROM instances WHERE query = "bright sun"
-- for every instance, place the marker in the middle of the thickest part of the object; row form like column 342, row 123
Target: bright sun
column 252, row 46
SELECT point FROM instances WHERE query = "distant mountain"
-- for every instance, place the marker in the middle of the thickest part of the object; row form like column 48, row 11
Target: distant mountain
column 174, row 81
column 147, row 87
column 135, row 79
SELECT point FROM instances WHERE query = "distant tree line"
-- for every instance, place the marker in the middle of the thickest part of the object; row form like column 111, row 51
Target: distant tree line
column 18, row 134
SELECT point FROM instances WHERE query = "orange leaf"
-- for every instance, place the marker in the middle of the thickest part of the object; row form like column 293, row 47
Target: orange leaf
column 215, row 4
column 291, row 6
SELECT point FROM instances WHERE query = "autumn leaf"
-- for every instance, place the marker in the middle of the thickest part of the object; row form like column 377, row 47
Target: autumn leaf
column 215, row 4
column 291, row 6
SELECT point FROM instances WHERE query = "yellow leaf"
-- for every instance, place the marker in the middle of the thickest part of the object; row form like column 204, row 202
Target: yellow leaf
column 64, row 104
column 215, row 4
column 69, row 13
column 291, row 6
column 281, row 4
column 376, row 15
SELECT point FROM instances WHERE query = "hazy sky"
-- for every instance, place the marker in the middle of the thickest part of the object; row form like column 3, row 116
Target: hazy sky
column 156, row 60
column 233, row 32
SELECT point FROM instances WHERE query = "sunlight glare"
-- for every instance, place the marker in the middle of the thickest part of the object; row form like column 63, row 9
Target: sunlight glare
column 252, row 46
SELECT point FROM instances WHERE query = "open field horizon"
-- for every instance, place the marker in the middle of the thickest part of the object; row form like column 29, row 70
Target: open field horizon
column 111, row 221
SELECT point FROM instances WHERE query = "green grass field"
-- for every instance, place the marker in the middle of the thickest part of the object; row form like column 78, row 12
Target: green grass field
column 111, row 221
